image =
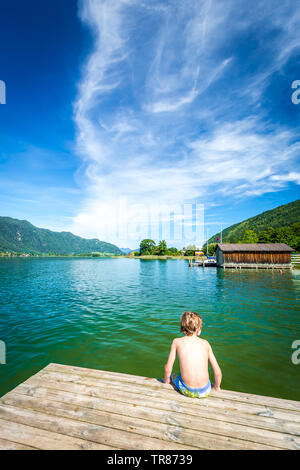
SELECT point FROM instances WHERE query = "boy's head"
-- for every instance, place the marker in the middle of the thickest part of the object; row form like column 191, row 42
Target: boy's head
column 190, row 323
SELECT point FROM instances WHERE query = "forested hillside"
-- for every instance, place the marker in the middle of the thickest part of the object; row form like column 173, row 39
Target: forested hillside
column 279, row 225
column 21, row 236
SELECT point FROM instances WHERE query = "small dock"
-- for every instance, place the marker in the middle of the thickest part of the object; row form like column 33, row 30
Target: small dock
column 256, row 266
column 67, row 407
column 295, row 260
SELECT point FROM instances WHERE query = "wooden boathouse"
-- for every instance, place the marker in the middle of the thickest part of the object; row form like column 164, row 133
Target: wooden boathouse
column 67, row 407
column 254, row 255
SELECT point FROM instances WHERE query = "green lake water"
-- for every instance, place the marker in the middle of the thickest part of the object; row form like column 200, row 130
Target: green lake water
column 122, row 314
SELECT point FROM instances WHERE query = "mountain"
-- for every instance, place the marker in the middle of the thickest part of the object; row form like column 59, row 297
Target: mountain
column 275, row 222
column 21, row 236
column 126, row 251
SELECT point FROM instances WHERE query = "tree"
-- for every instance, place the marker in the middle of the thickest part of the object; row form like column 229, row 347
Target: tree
column 191, row 247
column 162, row 247
column 250, row 237
column 189, row 253
column 155, row 250
column 211, row 249
column 190, row 250
column 146, row 246
column 267, row 236
column 295, row 243
column 172, row 251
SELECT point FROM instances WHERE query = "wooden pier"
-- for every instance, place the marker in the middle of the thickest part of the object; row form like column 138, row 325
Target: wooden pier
column 66, row 407
column 256, row 266
column 295, row 260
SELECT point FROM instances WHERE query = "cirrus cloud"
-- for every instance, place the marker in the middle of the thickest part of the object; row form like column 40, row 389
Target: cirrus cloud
column 171, row 92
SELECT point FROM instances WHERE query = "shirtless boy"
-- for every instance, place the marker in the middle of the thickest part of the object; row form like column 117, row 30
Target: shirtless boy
column 193, row 354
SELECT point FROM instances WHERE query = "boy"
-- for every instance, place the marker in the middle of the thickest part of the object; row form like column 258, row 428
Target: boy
column 193, row 354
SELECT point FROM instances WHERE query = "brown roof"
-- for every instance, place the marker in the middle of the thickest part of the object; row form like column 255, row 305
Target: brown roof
column 265, row 247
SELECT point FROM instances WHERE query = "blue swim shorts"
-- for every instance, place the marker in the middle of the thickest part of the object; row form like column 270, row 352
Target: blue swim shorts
column 191, row 392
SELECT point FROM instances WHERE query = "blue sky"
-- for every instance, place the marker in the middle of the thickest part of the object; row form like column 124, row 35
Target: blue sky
column 123, row 116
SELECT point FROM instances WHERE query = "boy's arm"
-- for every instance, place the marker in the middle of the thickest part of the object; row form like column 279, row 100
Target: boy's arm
column 216, row 369
column 170, row 362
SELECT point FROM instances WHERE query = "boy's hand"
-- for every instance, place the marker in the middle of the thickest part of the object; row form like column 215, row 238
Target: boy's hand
column 216, row 388
column 169, row 379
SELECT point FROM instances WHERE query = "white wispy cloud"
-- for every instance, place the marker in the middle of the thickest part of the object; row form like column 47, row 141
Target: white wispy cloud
column 154, row 126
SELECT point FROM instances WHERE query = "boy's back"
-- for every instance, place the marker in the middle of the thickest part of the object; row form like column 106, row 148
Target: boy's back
column 193, row 355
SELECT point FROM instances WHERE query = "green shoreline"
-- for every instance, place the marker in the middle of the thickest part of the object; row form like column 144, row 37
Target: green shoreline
column 144, row 257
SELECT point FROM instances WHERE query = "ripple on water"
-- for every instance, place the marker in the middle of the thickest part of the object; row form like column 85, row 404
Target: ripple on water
column 122, row 315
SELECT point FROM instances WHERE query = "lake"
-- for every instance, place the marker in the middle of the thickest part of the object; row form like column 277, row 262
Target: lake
column 122, row 314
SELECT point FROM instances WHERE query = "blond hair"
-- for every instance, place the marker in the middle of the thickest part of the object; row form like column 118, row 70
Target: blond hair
column 190, row 323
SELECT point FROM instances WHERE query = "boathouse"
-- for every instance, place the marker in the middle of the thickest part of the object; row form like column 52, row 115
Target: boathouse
column 254, row 255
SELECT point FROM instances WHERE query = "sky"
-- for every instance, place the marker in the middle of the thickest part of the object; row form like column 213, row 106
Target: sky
column 132, row 119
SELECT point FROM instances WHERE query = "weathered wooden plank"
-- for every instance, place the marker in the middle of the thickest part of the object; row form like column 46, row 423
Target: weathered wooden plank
column 259, row 400
column 155, row 391
column 9, row 445
column 94, row 433
column 99, row 374
column 206, row 433
column 156, row 400
column 154, row 383
column 27, row 435
column 165, row 414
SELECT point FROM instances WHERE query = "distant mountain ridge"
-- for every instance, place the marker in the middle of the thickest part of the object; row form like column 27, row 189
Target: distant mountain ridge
column 21, row 236
column 126, row 251
column 282, row 216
